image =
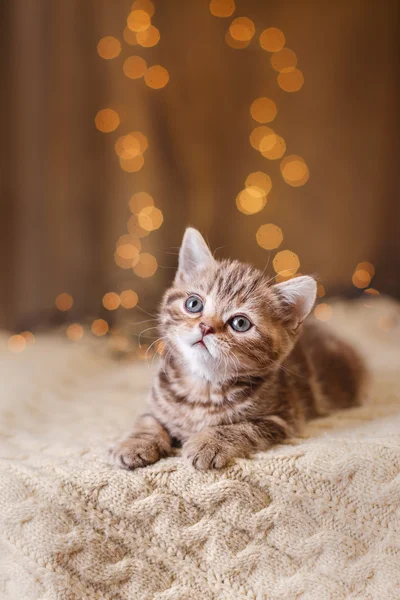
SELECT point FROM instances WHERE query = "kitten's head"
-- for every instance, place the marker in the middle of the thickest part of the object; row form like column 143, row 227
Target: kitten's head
column 224, row 319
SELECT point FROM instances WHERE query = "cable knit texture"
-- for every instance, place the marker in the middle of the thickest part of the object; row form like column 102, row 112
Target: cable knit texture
column 316, row 518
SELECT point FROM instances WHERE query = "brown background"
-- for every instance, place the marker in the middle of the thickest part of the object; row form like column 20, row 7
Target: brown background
column 64, row 198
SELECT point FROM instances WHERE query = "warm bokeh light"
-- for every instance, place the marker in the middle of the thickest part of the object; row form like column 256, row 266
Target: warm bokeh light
column 294, row 170
column 272, row 39
column 28, row 337
column 263, row 110
column 75, row 332
column 269, row 236
column 286, row 262
column 109, row 47
column 142, row 139
column 127, row 146
column 106, row 120
column 124, row 263
column 262, row 135
column 16, row 343
column 156, row 77
column 150, row 218
column 284, row 61
column 64, row 301
column 291, row 81
column 131, row 165
column 361, row 278
column 250, row 200
column 129, row 239
column 371, row 292
column 134, row 67
column 259, row 180
column 147, row 265
column 242, row 29
column 130, row 37
column 366, row 266
column 145, row 5
column 111, row 301
column 99, row 327
column 277, row 150
column 139, row 201
column 138, row 20
column 135, row 229
column 236, row 44
column 386, row 323
column 128, row 252
column 222, row 8
column 129, row 299
column 320, row 290
column 323, row 312
column 148, row 38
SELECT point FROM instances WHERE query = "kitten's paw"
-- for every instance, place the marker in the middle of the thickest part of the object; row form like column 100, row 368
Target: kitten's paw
column 135, row 452
column 205, row 452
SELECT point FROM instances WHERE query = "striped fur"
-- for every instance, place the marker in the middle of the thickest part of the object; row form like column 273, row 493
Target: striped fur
column 239, row 392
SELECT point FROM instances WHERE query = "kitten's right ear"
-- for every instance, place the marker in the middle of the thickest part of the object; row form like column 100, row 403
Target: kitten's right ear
column 194, row 254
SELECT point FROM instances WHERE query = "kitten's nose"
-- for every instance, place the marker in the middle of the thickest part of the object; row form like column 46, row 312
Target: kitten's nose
column 206, row 329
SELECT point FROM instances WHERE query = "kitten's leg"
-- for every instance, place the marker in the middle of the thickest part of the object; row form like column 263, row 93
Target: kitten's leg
column 148, row 442
column 215, row 447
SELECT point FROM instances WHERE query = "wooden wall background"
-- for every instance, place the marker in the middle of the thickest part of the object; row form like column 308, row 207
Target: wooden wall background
column 64, row 198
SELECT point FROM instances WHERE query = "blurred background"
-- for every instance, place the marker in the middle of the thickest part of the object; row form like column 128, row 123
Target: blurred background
column 270, row 126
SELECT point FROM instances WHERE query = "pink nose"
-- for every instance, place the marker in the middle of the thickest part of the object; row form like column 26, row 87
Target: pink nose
column 206, row 329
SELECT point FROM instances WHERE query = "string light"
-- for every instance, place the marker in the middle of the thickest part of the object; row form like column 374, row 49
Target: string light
column 129, row 299
column 145, row 5
column 323, row 312
column 131, row 165
column 99, row 327
column 284, row 60
column 138, row 20
column 371, row 292
column 64, row 301
column 139, row 201
column 134, row 67
column 16, row 343
column 28, row 337
column 128, row 252
column 135, row 229
column 148, row 38
column 259, row 180
column 111, row 301
column 272, row 39
column 236, row 44
column 251, row 200
column 269, row 236
column 320, row 290
column 75, row 332
column 277, row 150
column 222, row 8
column 109, row 47
column 106, row 120
column 150, row 218
column 294, row 170
column 263, row 110
column 291, row 81
column 361, row 278
column 262, row 135
column 156, row 77
column 127, row 146
column 366, row 266
column 242, row 29
column 130, row 37
column 286, row 262
column 146, row 266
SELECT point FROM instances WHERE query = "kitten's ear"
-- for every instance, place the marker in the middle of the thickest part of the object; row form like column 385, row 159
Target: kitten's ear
column 194, row 254
column 297, row 298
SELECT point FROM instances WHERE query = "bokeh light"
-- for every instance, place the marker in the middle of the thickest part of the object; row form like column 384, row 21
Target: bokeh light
column 99, row 327
column 127, row 146
column 366, row 266
column 130, row 37
column 259, row 180
column 134, row 67
column 263, row 110
column 262, row 136
column 320, row 290
column 269, row 236
column 156, row 77
column 142, row 139
column 75, row 332
column 16, row 343
column 106, row 120
column 361, row 278
column 291, row 81
column 64, row 301
column 129, row 299
column 139, row 201
column 145, row 5
column 272, row 39
column 111, row 301
column 28, row 337
column 294, row 170
column 242, row 29
column 129, row 239
column 251, row 200
column 146, row 266
column 284, row 60
column 286, row 262
column 371, row 292
column 150, row 218
column 277, row 150
column 138, row 20
column 109, row 47
column 128, row 252
column 236, row 44
column 222, row 8
column 148, row 38
column 131, row 165
column 135, row 229
column 323, row 312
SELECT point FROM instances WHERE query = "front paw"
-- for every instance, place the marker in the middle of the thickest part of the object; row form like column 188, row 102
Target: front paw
column 135, row 452
column 204, row 452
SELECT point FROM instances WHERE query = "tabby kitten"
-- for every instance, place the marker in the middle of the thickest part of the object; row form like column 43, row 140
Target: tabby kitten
column 241, row 371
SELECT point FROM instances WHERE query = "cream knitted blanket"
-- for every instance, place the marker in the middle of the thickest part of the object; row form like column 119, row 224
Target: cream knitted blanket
column 315, row 519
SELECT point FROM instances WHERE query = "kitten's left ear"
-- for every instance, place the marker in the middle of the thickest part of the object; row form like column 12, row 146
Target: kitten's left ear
column 297, row 298
column 194, row 254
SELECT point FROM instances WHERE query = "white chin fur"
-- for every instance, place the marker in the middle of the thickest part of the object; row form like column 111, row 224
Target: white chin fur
column 201, row 362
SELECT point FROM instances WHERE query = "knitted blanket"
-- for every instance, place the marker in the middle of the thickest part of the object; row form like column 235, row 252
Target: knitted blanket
column 317, row 518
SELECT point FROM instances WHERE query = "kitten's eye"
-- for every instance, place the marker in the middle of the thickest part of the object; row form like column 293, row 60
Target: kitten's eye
column 240, row 323
column 193, row 304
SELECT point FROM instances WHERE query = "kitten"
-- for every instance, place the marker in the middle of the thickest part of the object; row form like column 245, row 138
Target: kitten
column 240, row 371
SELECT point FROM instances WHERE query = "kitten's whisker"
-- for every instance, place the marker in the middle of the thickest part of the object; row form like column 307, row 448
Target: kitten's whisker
column 145, row 311
column 144, row 331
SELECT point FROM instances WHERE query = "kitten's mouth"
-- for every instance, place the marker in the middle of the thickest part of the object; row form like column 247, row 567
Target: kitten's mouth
column 201, row 343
